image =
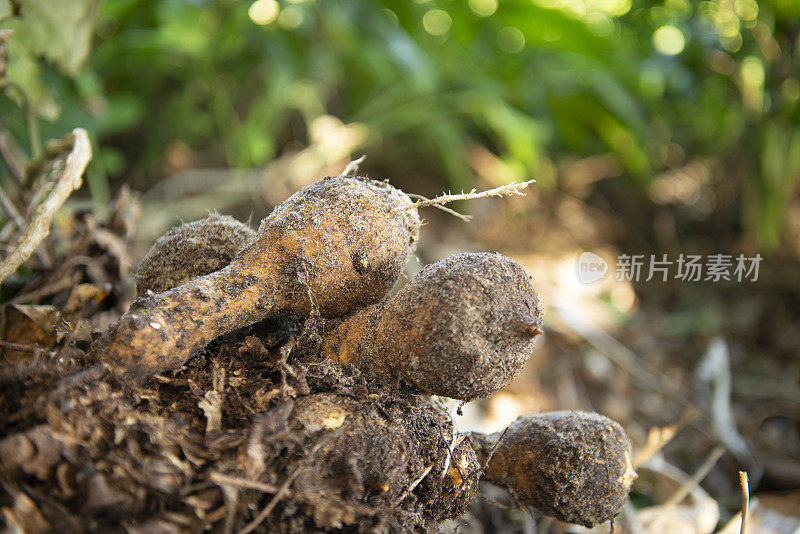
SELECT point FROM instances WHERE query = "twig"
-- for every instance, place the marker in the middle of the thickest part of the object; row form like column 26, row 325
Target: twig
column 414, row 484
column 745, row 500
column 514, row 188
column 465, row 218
column 352, row 168
column 13, row 156
column 33, row 349
column 243, row 483
column 658, row 437
column 494, row 448
column 39, row 226
column 46, row 291
column 11, row 209
column 695, row 479
column 282, row 491
column 53, row 149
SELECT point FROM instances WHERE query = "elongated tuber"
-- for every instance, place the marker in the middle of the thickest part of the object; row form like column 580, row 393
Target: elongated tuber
column 574, row 466
column 196, row 249
column 334, row 246
column 462, row 328
column 190, row 250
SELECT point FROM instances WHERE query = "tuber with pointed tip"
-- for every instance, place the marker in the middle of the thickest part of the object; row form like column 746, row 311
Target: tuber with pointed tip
column 573, row 466
column 462, row 328
column 334, row 246
column 190, row 250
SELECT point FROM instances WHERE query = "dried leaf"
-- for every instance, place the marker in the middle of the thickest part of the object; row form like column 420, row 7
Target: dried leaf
column 29, row 325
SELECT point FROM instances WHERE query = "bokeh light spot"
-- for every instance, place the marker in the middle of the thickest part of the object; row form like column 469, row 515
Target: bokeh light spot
column 392, row 16
column 669, row 40
column 612, row 8
column 510, row 40
column 290, row 18
column 264, row 11
column 436, row 22
column 600, row 24
column 483, row 8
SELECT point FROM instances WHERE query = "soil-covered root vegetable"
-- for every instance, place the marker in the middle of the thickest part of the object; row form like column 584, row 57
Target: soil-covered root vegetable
column 462, row 328
column 196, row 249
column 573, row 466
column 365, row 459
column 190, row 250
column 334, row 246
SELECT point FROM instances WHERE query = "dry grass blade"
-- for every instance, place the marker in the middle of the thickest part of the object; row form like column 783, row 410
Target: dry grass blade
column 70, row 179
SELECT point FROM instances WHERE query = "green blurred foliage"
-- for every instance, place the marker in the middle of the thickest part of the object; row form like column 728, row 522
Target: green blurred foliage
column 533, row 81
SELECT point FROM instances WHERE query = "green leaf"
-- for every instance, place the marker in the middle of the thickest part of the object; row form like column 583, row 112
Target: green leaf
column 60, row 31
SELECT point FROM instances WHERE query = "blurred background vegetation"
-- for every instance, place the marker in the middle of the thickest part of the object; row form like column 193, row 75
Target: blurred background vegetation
column 673, row 94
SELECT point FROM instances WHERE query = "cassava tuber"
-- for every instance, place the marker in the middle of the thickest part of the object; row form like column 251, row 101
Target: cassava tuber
column 462, row 328
column 334, row 246
column 573, row 466
column 190, row 250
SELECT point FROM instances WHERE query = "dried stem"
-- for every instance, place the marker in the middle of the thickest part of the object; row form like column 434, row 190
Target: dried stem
column 745, row 500
column 243, row 483
column 33, row 349
column 465, row 218
column 352, row 168
column 39, row 227
column 514, row 188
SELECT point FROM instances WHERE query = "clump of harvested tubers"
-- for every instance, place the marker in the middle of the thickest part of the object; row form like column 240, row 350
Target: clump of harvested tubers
column 462, row 328
column 190, row 250
column 328, row 429
column 334, row 246
column 574, row 466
